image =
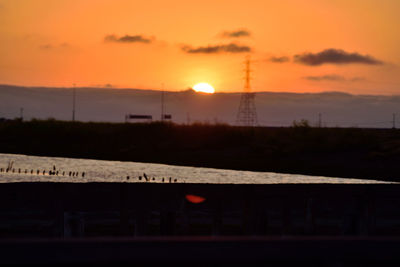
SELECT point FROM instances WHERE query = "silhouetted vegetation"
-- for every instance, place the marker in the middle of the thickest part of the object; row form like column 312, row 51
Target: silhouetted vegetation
column 342, row 152
column 301, row 123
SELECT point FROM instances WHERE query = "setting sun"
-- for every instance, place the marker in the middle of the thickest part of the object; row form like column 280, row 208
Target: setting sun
column 204, row 88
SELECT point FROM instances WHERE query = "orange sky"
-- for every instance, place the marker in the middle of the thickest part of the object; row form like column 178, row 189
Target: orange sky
column 61, row 42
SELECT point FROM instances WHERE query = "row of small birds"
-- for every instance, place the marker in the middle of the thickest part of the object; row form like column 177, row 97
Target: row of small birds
column 148, row 179
column 56, row 172
column 40, row 172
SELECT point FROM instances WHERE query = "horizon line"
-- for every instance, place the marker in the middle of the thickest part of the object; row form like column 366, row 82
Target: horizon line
column 190, row 89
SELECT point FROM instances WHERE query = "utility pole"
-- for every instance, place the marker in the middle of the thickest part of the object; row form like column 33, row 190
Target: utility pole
column 73, row 102
column 21, row 113
column 394, row 121
column 319, row 120
column 162, row 103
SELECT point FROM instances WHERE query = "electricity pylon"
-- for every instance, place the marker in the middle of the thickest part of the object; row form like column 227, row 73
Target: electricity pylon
column 247, row 113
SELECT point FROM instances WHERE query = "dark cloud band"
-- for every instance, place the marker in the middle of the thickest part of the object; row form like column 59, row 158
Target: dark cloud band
column 325, row 78
column 236, row 34
column 214, row 49
column 127, row 39
column 335, row 56
column 333, row 77
column 278, row 59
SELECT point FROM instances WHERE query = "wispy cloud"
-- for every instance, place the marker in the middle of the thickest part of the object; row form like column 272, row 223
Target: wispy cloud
column 333, row 77
column 215, row 49
column 335, row 56
column 127, row 39
column 275, row 59
column 236, row 34
column 48, row 46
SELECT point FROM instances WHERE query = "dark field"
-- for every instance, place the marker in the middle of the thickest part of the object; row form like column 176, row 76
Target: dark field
column 339, row 152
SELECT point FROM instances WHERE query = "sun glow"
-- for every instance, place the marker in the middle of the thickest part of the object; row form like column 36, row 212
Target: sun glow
column 204, row 88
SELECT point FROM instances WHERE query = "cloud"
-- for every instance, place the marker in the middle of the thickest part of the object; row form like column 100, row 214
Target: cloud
column 53, row 47
column 333, row 77
column 278, row 59
column 325, row 78
column 215, row 49
column 335, row 56
column 46, row 47
column 236, row 34
column 127, row 39
column 357, row 79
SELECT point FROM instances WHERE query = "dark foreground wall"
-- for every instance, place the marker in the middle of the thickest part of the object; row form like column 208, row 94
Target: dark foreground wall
column 245, row 225
column 110, row 209
column 206, row 251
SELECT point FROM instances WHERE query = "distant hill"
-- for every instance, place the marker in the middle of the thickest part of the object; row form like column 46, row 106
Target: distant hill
column 274, row 109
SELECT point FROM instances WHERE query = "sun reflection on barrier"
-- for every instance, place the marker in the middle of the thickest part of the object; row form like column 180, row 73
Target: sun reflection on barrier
column 195, row 199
